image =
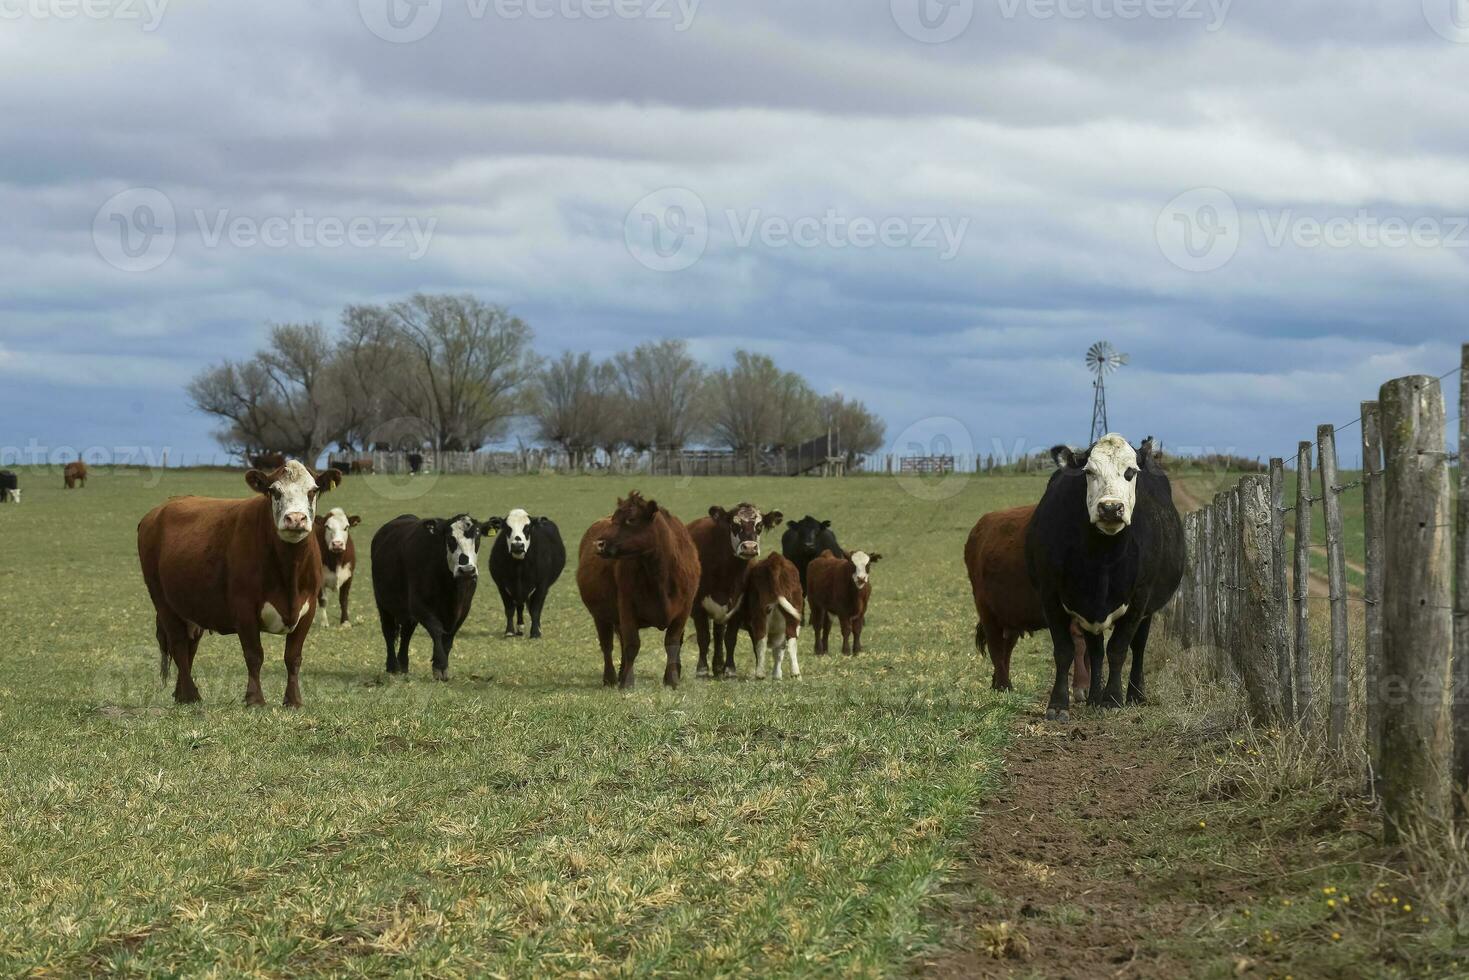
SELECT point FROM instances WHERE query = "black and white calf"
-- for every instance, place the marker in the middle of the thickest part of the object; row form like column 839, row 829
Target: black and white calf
column 424, row 574
column 9, row 487
column 1105, row 551
column 338, row 557
column 525, row 561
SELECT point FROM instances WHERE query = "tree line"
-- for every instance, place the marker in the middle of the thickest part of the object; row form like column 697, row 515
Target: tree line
column 452, row 373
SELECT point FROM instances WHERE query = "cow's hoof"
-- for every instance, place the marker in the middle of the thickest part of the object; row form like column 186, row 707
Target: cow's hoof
column 1053, row 714
column 255, row 701
column 702, row 672
column 288, row 703
column 1080, row 696
column 760, row 675
column 535, row 634
column 440, row 675
column 510, row 634
column 346, row 624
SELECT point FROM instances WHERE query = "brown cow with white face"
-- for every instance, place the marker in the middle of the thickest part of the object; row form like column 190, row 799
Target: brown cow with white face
column 338, row 556
column 238, row 567
column 728, row 543
column 840, row 587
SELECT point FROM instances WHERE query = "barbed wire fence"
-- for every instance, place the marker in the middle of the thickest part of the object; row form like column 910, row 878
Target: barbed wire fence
column 1243, row 595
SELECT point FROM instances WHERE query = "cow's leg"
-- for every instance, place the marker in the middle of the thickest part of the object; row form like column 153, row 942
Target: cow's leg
column 254, row 657
column 295, row 643
column 759, row 633
column 630, row 642
column 508, row 601
column 717, row 645
column 180, row 648
column 519, row 618
column 1081, row 668
column 858, row 622
column 846, row 624
column 1122, row 633
column 701, row 633
column 1135, row 693
column 605, row 631
column 793, row 635
column 443, row 643
column 390, row 638
column 537, row 601
column 342, row 591
column 404, row 636
column 731, row 640
column 821, row 622
column 1064, row 651
column 1091, row 647
column 673, row 647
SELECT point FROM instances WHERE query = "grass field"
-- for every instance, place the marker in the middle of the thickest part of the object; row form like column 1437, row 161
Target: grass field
column 518, row 820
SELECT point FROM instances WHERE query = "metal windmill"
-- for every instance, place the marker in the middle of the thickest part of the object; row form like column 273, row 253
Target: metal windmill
column 1102, row 359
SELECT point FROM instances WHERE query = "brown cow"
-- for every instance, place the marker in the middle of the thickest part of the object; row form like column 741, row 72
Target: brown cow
column 74, row 475
column 236, row 566
column 338, row 556
column 728, row 543
column 840, row 587
column 1008, row 605
column 362, row 465
column 773, row 607
column 638, row 569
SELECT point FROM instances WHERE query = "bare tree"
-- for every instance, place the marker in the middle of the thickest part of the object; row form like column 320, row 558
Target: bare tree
column 572, row 402
column 855, row 429
column 368, row 352
column 659, row 385
column 756, row 405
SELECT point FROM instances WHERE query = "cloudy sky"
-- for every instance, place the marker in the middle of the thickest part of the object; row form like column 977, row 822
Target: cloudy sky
column 934, row 205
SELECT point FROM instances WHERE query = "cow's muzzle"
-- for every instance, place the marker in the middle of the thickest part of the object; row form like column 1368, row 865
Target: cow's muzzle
column 1111, row 516
column 518, row 550
column 748, row 549
column 337, row 547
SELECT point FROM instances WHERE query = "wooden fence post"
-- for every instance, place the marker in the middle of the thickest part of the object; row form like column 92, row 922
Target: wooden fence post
column 1336, row 576
column 1221, row 582
column 1372, row 587
column 1280, row 591
column 1304, row 685
column 1460, row 765
column 1418, row 624
column 1257, row 605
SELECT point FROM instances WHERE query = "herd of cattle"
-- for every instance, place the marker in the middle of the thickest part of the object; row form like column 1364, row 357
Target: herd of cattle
column 1100, row 552
column 73, row 476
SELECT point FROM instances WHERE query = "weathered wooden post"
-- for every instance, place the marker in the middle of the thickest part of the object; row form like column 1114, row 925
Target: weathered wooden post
column 1460, row 715
column 1281, row 615
column 1183, row 603
column 1221, row 583
column 1236, row 597
column 1372, row 586
column 1418, row 627
column 1336, row 576
column 1256, row 604
column 1304, row 685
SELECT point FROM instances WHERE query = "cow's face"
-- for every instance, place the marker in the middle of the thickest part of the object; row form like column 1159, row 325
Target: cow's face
column 862, row 564
column 292, row 492
column 809, row 531
column 744, row 525
column 336, row 529
column 1111, row 468
column 633, row 532
column 461, row 545
column 517, row 533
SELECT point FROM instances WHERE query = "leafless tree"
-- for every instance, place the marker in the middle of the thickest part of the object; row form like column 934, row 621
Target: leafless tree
column 756, row 405
column 855, row 429
column 572, row 402
column 660, row 384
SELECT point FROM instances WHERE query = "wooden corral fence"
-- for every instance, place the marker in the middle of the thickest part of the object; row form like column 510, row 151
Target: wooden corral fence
column 1247, row 602
column 803, row 460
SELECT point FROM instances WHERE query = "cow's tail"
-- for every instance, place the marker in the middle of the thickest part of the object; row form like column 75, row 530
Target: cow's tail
column 162, row 649
column 979, row 640
column 790, row 610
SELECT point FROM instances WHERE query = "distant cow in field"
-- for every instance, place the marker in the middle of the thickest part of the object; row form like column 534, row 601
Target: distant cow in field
column 840, row 587
column 728, row 542
column 415, row 463
column 638, row 569
column 343, row 466
column 1008, row 605
column 771, row 613
column 74, row 475
column 1105, row 551
column 424, row 574
column 269, row 461
column 236, row 567
column 525, row 561
column 338, row 556
column 9, row 487
column 362, row 465
column 805, row 540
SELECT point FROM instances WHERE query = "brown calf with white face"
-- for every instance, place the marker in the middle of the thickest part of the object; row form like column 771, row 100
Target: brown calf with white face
column 728, row 543
column 74, row 475
column 840, row 587
column 638, row 569
column 238, row 567
column 338, row 556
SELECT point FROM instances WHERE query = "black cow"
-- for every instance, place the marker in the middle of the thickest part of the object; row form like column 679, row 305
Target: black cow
column 805, row 540
column 424, row 574
column 342, row 466
column 1105, row 550
column 9, row 487
column 415, row 463
column 525, row 561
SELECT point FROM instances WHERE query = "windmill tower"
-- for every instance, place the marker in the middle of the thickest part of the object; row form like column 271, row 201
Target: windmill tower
column 1102, row 359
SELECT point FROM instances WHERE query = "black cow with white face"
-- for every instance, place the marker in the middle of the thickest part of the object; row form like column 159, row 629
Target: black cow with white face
column 805, row 540
column 9, row 487
column 424, row 574
column 525, row 561
column 1105, row 551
